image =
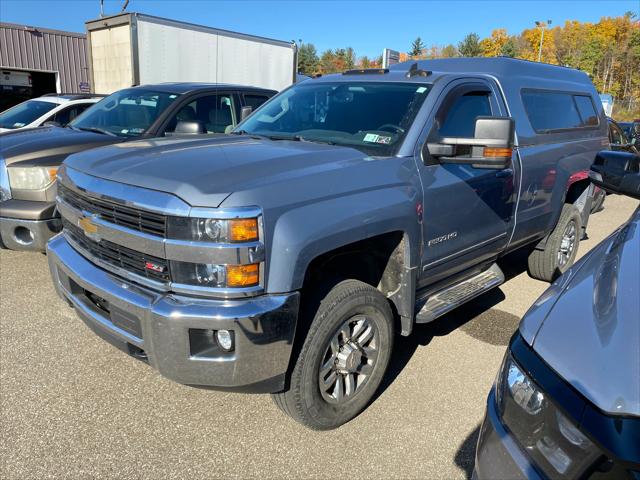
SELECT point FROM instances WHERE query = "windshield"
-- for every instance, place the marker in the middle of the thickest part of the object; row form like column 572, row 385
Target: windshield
column 126, row 113
column 370, row 116
column 25, row 113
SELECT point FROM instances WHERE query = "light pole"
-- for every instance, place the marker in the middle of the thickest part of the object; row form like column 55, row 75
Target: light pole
column 542, row 26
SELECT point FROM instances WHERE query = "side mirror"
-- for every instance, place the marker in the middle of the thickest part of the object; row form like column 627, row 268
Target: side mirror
column 51, row 123
column 490, row 147
column 245, row 112
column 617, row 172
column 189, row 127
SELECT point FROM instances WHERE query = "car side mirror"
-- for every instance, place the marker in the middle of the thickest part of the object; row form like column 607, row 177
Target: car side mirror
column 617, row 172
column 490, row 147
column 51, row 123
column 189, row 127
column 245, row 112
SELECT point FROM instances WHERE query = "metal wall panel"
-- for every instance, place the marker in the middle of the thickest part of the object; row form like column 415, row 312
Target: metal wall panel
column 41, row 49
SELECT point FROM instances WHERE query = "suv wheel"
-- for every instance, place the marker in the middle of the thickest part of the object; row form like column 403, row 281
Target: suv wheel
column 343, row 358
column 561, row 249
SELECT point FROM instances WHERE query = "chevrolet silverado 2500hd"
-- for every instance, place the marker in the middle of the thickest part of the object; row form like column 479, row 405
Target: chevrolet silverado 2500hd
column 283, row 257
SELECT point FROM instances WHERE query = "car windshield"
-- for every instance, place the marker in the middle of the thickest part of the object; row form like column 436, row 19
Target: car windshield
column 370, row 116
column 25, row 113
column 126, row 113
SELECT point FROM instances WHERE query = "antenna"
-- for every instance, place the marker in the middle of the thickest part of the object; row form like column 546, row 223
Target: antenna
column 124, row 7
column 101, row 8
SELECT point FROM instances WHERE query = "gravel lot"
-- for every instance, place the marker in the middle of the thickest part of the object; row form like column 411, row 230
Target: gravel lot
column 75, row 407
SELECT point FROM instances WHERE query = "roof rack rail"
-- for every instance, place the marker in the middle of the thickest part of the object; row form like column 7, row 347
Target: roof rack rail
column 78, row 96
column 366, row 71
column 414, row 71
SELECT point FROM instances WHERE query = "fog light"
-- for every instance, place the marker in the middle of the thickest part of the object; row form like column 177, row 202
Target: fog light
column 225, row 339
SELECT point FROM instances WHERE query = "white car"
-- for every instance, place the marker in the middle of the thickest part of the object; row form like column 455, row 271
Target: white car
column 58, row 108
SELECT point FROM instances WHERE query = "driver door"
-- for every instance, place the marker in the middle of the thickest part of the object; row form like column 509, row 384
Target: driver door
column 468, row 211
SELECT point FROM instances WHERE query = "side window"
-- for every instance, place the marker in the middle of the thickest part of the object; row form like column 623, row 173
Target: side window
column 254, row 101
column 549, row 111
column 65, row 115
column 213, row 112
column 459, row 117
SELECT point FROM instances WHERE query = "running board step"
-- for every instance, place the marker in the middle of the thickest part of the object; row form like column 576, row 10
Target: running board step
column 451, row 297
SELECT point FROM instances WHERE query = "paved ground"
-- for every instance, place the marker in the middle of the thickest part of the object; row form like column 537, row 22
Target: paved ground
column 74, row 407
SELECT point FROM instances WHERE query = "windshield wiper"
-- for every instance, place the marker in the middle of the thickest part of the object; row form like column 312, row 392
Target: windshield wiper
column 95, row 130
column 300, row 138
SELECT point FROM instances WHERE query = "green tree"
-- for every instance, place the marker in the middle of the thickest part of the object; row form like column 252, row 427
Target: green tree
column 510, row 48
column 307, row 59
column 449, row 51
column 417, row 47
column 470, row 46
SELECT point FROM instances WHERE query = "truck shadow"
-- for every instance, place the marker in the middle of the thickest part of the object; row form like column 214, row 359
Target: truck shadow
column 465, row 456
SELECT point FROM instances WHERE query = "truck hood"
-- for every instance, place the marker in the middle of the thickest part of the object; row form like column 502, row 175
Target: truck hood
column 205, row 171
column 591, row 335
column 50, row 145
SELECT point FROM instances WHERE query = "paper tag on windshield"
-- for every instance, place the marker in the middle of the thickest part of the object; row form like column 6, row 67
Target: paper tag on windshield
column 373, row 138
column 421, row 90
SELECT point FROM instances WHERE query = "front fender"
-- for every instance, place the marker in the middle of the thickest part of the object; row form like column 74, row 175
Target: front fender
column 303, row 233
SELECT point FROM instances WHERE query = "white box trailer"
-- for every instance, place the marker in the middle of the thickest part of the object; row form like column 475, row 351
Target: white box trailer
column 137, row 49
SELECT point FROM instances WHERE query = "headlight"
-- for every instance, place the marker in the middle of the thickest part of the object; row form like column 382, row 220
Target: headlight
column 215, row 276
column 213, row 230
column 31, row 178
column 557, row 446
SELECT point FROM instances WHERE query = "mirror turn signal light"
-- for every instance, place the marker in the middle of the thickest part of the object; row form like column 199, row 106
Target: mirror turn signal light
column 494, row 152
column 243, row 275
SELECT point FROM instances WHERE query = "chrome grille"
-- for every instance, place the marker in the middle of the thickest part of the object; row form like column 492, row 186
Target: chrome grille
column 133, row 218
column 119, row 256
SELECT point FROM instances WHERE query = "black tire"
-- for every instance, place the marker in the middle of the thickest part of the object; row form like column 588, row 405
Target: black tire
column 303, row 400
column 546, row 264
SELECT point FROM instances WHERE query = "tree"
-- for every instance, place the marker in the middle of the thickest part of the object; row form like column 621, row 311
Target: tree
column 307, row 59
column 510, row 48
column 492, row 46
column 470, row 46
column 417, row 46
column 449, row 51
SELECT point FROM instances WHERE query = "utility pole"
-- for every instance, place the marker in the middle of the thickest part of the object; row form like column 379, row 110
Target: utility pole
column 542, row 26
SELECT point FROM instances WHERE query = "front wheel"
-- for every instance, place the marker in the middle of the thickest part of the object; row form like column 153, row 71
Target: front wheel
column 343, row 358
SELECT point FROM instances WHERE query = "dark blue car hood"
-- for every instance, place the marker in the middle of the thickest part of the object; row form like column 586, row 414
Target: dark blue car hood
column 587, row 325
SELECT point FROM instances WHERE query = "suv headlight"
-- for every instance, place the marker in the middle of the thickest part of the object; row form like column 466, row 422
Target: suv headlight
column 31, row 178
column 557, row 446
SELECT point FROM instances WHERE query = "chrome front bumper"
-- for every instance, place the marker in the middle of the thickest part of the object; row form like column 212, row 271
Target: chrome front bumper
column 31, row 235
column 164, row 329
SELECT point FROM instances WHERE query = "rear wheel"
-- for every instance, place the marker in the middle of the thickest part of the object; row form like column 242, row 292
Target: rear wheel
column 343, row 358
column 561, row 247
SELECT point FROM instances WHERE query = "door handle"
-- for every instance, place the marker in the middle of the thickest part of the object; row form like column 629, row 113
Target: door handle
column 506, row 173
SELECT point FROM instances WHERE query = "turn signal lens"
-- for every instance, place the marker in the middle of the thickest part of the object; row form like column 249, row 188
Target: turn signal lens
column 243, row 275
column 243, row 230
column 493, row 152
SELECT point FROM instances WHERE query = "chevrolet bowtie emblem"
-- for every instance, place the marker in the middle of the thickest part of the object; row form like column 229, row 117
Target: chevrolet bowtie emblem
column 89, row 228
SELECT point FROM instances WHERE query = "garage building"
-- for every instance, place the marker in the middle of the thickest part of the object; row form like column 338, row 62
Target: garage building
column 35, row 61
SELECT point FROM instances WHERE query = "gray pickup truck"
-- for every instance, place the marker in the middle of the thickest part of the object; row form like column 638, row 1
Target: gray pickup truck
column 283, row 257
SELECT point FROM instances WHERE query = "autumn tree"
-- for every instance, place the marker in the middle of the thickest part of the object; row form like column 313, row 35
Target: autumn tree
column 470, row 46
column 492, row 46
column 449, row 51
